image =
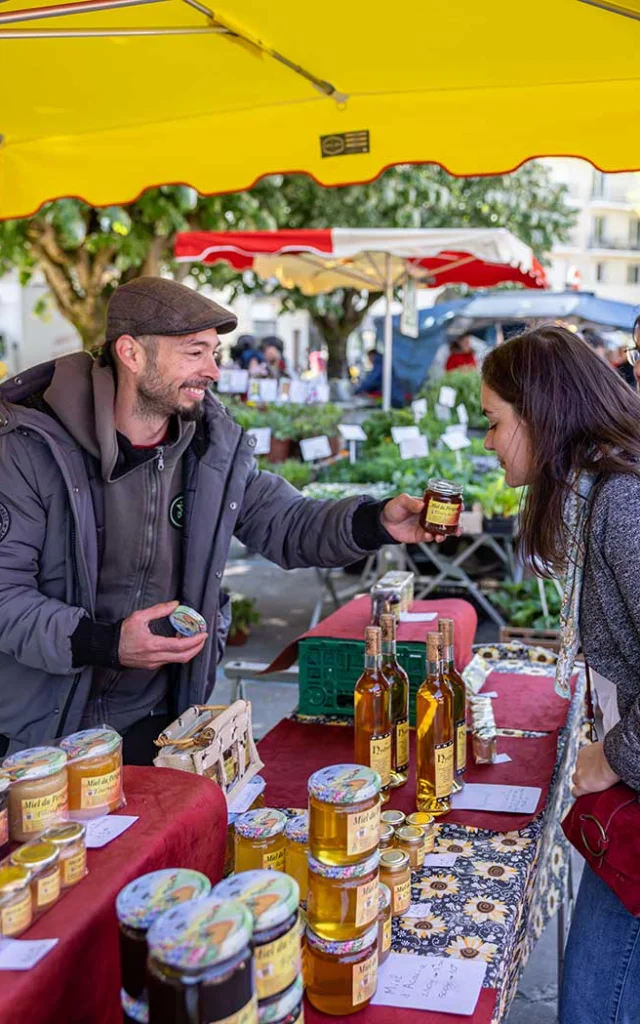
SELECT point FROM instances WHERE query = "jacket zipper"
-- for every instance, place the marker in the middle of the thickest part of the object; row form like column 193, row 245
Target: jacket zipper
column 76, row 596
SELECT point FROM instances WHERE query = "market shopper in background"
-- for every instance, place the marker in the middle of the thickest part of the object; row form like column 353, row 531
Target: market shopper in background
column 122, row 482
column 464, row 351
column 272, row 350
column 563, row 423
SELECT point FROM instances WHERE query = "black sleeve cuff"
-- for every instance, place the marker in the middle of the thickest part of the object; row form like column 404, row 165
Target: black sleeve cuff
column 368, row 532
column 96, row 643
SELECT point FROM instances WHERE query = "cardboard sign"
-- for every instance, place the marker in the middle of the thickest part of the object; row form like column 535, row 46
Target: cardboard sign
column 312, row 448
column 263, row 440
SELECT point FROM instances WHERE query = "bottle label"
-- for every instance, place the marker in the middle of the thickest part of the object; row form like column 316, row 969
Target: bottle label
column 367, row 900
column 442, row 513
column 401, row 896
column 100, row 791
column 380, row 756
column 444, row 769
column 277, row 963
column 363, row 830
column 41, row 811
column 274, row 861
column 17, row 917
column 48, row 889
column 461, row 746
column 386, row 936
column 247, row 1015
column 365, row 979
column 402, row 744
column 74, row 868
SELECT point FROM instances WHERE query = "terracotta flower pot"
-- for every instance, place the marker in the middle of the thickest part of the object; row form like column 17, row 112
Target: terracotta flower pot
column 237, row 638
column 279, row 450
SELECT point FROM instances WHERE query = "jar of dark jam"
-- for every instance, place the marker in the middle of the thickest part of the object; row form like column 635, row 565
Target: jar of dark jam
column 200, row 967
column 138, row 905
column 442, row 507
column 286, row 1008
column 4, row 814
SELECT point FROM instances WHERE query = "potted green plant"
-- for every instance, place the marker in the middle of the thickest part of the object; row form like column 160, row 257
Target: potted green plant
column 244, row 615
column 283, row 431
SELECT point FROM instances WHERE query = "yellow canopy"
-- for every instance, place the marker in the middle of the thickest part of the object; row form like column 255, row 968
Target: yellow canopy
column 340, row 89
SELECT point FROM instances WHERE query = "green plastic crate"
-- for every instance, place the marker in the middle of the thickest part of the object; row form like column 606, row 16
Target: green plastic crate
column 329, row 670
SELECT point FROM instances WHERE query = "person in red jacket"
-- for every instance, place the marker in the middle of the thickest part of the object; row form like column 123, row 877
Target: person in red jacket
column 462, row 356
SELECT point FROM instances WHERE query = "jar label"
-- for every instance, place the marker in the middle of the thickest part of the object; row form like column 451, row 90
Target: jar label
column 74, row 868
column 402, row 744
column 17, row 917
column 100, row 790
column 4, row 827
column 277, row 963
column 39, row 812
column 48, row 889
column 429, row 841
column 365, row 979
column 247, row 1015
column 380, row 756
column 363, row 830
column 401, row 896
column 461, row 746
column 386, row 936
column 230, row 770
column 274, row 861
column 420, row 855
column 442, row 513
column 444, row 769
column 367, row 900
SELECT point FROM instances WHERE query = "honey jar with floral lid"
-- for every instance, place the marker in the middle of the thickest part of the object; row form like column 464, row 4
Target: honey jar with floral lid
column 94, row 758
column 341, row 977
column 342, row 902
column 344, row 813
column 38, row 791
column 297, row 837
column 16, row 913
column 286, row 1008
column 384, row 922
column 4, row 814
column 260, row 840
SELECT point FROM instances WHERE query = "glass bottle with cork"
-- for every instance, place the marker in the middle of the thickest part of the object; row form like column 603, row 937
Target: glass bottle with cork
column 372, row 716
column 456, row 682
column 434, row 735
column 399, row 702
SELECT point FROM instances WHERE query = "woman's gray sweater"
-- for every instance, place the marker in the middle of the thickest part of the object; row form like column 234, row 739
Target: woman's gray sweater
column 610, row 612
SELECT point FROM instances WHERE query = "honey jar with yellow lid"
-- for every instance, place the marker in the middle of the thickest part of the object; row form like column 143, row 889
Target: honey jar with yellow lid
column 297, row 839
column 395, row 872
column 260, row 841
column 94, row 760
column 16, row 913
column 272, row 898
column 427, row 822
column 387, row 837
column 343, row 899
column 69, row 840
column 344, row 813
column 341, row 977
column 38, row 792
column 138, row 905
column 200, row 966
column 42, row 861
column 384, row 922
column 410, row 838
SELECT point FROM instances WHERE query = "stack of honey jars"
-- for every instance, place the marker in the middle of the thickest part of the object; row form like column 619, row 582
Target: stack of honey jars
column 343, row 900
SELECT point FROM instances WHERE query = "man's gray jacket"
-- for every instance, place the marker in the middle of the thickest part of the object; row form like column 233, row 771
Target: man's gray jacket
column 50, row 552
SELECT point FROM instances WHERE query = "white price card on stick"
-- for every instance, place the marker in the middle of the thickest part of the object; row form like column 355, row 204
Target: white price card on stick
column 418, row 616
column 233, row 382
column 441, row 984
column 352, row 432
column 443, row 413
column 298, row 392
column 268, row 390
column 455, row 442
column 101, row 831
column 23, row 954
column 312, row 448
column 463, row 415
column 263, row 439
column 506, row 799
column 414, row 447
column 403, row 433
column 419, row 409
column 447, row 396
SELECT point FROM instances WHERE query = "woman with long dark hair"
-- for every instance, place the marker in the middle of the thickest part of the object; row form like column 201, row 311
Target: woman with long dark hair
column 563, row 423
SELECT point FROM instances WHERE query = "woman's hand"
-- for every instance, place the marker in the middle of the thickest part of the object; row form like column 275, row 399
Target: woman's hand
column 593, row 773
column 401, row 518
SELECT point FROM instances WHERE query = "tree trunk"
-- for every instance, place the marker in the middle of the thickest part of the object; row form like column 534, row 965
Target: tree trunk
column 336, row 326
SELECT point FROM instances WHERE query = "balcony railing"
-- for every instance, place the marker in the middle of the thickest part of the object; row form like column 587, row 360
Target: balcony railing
column 628, row 244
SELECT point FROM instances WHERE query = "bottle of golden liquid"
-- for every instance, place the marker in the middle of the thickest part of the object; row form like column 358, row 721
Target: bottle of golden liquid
column 372, row 722
column 399, row 682
column 456, row 682
column 434, row 735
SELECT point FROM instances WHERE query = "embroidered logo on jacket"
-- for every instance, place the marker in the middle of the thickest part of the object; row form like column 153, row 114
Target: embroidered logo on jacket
column 5, row 521
column 176, row 512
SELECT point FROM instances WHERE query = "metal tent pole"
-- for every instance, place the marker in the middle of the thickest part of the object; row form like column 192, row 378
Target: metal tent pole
column 388, row 338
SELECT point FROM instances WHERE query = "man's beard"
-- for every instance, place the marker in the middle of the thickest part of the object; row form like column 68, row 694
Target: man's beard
column 156, row 398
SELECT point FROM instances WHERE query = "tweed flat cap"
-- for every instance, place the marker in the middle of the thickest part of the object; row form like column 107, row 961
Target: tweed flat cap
column 153, row 305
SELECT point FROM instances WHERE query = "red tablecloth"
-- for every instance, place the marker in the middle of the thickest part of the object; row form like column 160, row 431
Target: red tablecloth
column 350, row 621
column 182, row 823
column 294, row 750
column 388, row 1014
column 527, row 702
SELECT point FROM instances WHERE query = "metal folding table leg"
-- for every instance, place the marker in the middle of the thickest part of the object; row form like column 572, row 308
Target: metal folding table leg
column 452, row 570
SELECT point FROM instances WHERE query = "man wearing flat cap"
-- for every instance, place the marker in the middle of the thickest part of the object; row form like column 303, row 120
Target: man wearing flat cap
column 122, row 482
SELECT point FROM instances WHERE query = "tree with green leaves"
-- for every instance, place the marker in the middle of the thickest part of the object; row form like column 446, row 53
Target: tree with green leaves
column 84, row 253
